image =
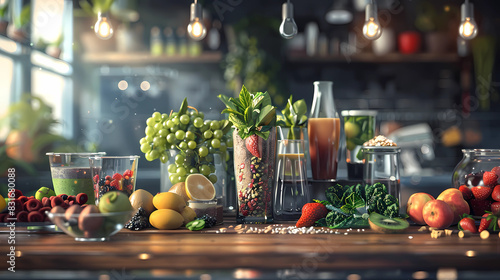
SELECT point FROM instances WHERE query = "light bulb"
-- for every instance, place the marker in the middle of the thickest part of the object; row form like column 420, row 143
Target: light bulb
column 372, row 29
column 288, row 27
column 468, row 26
column 196, row 29
column 103, row 28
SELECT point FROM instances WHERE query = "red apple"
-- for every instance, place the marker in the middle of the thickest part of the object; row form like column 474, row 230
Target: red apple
column 438, row 214
column 415, row 205
column 454, row 198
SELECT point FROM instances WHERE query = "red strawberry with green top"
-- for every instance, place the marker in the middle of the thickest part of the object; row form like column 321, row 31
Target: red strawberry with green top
column 469, row 224
column 490, row 178
column 117, row 176
column 479, row 207
column 311, row 212
column 486, row 220
column 253, row 145
column 495, row 194
column 495, row 208
column 481, row 192
column 466, row 192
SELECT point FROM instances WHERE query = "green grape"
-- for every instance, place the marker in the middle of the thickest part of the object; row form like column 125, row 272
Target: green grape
column 212, row 168
column 214, row 125
column 149, row 157
column 228, row 156
column 208, row 134
column 172, row 168
column 174, row 114
column 212, row 178
column 149, row 138
column 163, row 132
column 164, row 157
column 181, row 171
column 203, row 151
column 172, row 147
column 164, row 117
column 171, row 138
column 156, row 116
column 170, row 124
column 150, row 131
column 210, row 157
column 153, row 154
column 215, row 143
column 193, row 113
column 198, row 122
column 189, row 154
column 190, row 135
column 193, row 170
column 143, row 140
column 229, row 142
column 179, row 134
column 183, row 145
column 176, row 120
column 191, row 145
column 201, row 115
column 191, row 128
column 179, row 159
column 212, row 150
column 159, row 141
column 205, row 127
column 150, row 122
column 218, row 134
column 158, row 126
column 181, row 178
column 184, row 119
column 145, row 148
column 223, row 147
column 174, row 179
column 205, row 170
column 174, row 128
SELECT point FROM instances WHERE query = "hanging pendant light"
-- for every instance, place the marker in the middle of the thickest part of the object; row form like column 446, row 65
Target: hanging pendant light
column 196, row 29
column 103, row 28
column 288, row 27
column 372, row 29
column 468, row 26
column 339, row 13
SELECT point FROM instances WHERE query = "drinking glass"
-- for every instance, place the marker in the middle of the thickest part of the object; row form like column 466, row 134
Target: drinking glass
column 291, row 192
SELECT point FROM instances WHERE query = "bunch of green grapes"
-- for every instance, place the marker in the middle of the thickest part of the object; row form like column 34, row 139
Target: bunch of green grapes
column 195, row 139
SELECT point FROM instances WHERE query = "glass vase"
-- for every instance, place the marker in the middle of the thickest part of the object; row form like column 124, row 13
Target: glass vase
column 255, row 179
column 325, row 128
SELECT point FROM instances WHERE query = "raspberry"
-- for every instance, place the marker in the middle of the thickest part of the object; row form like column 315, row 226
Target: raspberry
column 35, row 216
column 81, row 198
column 108, row 178
column 96, row 178
column 117, row 176
column 128, row 173
column 115, row 184
column 33, row 205
column 22, row 216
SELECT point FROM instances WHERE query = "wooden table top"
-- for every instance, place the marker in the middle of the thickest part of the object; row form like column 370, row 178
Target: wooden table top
column 212, row 249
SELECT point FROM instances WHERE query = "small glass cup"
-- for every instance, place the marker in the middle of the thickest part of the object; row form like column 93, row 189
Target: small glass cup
column 381, row 164
column 291, row 192
column 359, row 127
column 71, row 173
column 113, row 173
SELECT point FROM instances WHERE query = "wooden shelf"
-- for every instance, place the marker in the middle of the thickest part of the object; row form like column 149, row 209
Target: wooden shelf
column 372, row 58
column 145, row 58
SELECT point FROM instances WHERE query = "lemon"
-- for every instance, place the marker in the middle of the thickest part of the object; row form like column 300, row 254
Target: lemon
column 351, row 130
column 3, row 204
column 168, row 200
column 180, row 189
column 189, row 214
column 198, row 187
column 166, row 219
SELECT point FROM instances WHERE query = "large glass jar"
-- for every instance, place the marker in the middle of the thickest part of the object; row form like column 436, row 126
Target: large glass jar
column 469, row 174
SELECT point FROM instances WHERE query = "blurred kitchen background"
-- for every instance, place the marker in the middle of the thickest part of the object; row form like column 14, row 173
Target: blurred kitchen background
column 435, row 93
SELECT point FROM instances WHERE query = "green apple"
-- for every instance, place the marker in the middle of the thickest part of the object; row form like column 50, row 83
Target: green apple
column 44, row 192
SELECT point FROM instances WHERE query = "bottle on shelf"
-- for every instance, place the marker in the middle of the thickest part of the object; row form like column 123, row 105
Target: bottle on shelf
column 156, row 42
column 182, row 46
column 170, row 42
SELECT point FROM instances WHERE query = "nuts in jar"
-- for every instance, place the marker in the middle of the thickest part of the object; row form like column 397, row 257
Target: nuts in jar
column 380, row 141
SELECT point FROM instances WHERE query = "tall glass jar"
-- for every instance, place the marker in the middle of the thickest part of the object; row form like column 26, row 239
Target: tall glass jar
column 255, row 179
column 469, row 174
column 324, row 131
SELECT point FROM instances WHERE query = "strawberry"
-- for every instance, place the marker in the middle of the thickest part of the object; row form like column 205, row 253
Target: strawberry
column 479, row 207
column 490, row 178
column 117, row 176
column 128, row 173
column 115, row 183
column 96, row 178
column 469, row 224
column 311, row 212
column 486, row 220
column 495, row 208
column 466, row 192
column 496, row 170
column 495, row 194
column 481, row 192
column 252, row 144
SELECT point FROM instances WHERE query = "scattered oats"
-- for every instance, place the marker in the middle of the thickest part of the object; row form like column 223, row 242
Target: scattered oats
column 422, row 228
column 363, row 230
column 359, row 230
column 231, row 226
column 484, row 234
column 432, row 228
column 222, row 229
column 379, row 140
column 249, row 231
column 437, row 233
column 238, row 227
column 448, row 232
column 268, row 230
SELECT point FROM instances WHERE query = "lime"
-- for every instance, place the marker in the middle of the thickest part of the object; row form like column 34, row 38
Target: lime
column 351, row 130
column 350, row 145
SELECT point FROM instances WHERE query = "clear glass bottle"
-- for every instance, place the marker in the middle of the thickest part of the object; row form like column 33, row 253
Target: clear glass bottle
column 156, row 42
column 324, row 130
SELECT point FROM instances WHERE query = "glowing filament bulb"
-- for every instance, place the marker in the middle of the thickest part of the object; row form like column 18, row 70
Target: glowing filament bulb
column 371, row 29
column 196, row 29
column 468, row 26
column 288, row 27
column 103, row 28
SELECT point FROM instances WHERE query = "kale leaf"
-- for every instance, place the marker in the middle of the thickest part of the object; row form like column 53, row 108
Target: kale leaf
column 334, row 195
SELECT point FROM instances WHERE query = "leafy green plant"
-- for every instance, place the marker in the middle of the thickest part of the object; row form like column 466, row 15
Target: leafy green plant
column 483, row 51
column 4, row 9
column 96, row 6
column 250, row 113
column 23, row 18
column 293, row 116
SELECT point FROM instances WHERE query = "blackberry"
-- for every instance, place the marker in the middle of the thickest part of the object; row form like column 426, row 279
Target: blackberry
column 101, row 182
column 139, row 221
column 209, row 220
